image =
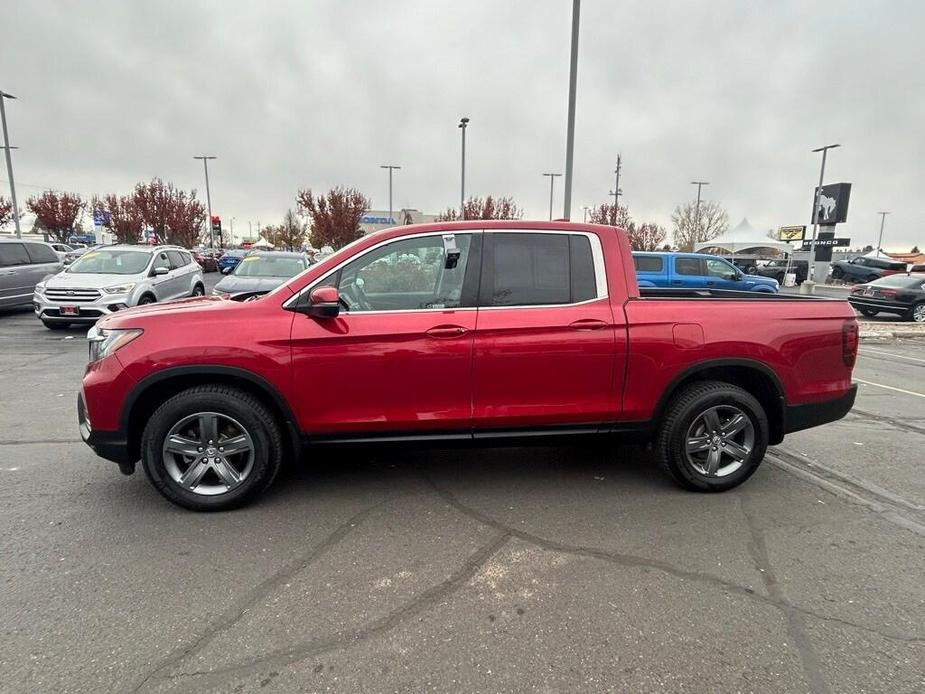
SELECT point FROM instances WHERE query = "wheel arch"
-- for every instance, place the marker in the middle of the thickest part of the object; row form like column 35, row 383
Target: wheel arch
column 153, row 390
column 753, row 376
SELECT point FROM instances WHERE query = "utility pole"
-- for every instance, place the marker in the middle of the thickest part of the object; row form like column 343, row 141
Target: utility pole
column 570, row 128
column 552, row 181
column 463, row 123
column 699, row 184
column 205, row 165
column 584, row 209
column 9, row 161
column 880, row 240
column 812, row 247
column 390, row 168
column 616, row 192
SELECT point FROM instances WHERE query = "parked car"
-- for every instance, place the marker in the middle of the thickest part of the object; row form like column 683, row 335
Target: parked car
column 230, row 259
column 864, row 269
column 695, row 271
column 24, row 264
column 486, row 332
column 113, row 278
column 206, row 260
column 260, row 272
column 917, row 268
column 74, row 254
column 778, row 268
column 62, row 249
column 902, row 295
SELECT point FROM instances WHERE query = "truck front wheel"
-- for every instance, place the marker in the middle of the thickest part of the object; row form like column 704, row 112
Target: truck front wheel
column 211, row 448
column 713, row 436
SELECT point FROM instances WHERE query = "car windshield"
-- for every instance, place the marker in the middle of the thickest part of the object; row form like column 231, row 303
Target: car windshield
column 235, row 254
column 111, row 262
column 269, row 266
column 902, row 281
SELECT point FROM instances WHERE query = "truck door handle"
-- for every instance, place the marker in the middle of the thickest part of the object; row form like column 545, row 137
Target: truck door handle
column 711, row 283
column 587, row 324
column 447, row 331
column 677, row 281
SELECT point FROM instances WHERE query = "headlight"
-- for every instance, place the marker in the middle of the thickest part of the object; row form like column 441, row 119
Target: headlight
column 40, row 288
column 105, row 342
column 120, row 288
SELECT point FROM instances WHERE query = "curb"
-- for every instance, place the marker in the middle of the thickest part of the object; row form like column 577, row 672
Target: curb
column 891, row 335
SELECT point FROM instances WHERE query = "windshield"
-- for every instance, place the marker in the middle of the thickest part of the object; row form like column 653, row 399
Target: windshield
column 235, row 254
column 111, row 262
column 269, row 266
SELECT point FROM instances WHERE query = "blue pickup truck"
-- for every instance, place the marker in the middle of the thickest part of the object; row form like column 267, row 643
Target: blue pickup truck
column 696, row 271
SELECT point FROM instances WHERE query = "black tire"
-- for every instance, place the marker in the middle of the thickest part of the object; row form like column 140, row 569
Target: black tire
column 198, row 290
column 685, row 407
column 837, row 273
column 147, row 299
column 55, row 325
column 231, row 402
column 867, row 312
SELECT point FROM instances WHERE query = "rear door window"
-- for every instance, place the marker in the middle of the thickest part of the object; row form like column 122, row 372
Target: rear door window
column 524, row 269
column 688, row 266
column 40, row 253
column 176, row 259
column 13, row 254
column 648, row 263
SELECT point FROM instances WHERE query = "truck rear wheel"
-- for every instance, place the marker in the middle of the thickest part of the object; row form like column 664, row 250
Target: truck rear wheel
column 211, row 448
column 713, row 436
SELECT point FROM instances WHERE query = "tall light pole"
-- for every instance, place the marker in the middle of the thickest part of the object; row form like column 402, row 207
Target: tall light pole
column 390, row 168
column 880, row 240
column 205, row 165
column 552, row 182
column 463, row 123
column 570, row 128
column 9, row 161
column 230, row 228
column 616, row 192
column 812, row 246
column 699, row 184
column 584, row 209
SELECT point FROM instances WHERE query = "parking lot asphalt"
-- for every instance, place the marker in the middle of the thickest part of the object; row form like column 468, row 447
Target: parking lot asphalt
column 542, row 569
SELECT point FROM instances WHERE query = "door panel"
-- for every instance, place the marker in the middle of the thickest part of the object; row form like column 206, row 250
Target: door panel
column 689, row 273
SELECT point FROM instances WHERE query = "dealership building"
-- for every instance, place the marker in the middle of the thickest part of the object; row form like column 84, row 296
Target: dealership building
column 374, row 220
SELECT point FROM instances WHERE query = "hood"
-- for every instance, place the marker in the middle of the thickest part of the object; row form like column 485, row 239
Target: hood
column 69, row 280
column 236, row 285
column 125, row 318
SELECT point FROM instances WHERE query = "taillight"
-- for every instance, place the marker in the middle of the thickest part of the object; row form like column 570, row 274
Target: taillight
column 888, row 293
column 849, row 342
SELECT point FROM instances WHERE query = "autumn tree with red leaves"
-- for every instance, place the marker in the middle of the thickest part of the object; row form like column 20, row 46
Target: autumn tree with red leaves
column 57, row 214
column 487, row 208
column 154, row 201
column 6, row 211
column 120, row 216
column 185, row 219
column 176, row 216
column 644, row 236
column 335, row 217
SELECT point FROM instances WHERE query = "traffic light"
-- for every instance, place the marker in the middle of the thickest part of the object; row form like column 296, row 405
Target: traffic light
column 216, row 224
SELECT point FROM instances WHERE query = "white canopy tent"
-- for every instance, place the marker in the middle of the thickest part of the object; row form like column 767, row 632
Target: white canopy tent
column 743, row 237
column 262, row 243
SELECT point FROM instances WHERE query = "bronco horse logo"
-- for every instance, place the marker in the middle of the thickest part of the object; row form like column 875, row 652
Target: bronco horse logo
column 826, row 207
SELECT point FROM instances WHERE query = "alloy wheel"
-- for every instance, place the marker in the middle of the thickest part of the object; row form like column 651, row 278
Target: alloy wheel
column 719, row 440
column 208, row 453
column 918, row 313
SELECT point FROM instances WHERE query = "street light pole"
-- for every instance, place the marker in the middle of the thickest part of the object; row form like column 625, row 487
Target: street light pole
column 812, row 247
column 584, row 209
column 390, row 168
column 616, row 192
column 880, row 240
column 463, row 123
column 570, row 128
column 699, row 184
column 205, row 164
column 9, row 161
column 552, row 181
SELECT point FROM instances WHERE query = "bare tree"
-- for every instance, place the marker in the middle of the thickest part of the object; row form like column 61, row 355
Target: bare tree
column 57, row 213
column 646, row 236
column 691, row 227
column 289, row 234
column 610, row 214
column 335, row 217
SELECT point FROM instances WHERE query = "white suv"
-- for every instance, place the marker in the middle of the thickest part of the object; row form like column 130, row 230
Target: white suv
column 112, row 278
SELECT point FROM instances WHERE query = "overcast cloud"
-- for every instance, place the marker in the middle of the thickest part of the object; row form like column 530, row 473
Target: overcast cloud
column 315, row 94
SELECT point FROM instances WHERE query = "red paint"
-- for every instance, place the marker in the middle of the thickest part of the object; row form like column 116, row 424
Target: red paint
column 606, row 360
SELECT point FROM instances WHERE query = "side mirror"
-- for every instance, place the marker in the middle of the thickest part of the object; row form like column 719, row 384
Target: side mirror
column 226, row 270
column 160, row 271
column 737, row 277
column 324, row 302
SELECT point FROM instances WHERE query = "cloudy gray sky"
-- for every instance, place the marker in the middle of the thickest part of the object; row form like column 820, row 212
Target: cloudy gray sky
column 314, row 94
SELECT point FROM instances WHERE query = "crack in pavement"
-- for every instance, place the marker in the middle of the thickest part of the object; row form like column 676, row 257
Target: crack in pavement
column 235, row 613
column 321, row 645
column 898, row 424
column 636, row 561
column 796, row 626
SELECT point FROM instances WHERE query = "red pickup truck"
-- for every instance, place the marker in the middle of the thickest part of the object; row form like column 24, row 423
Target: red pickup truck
column 488, row 331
